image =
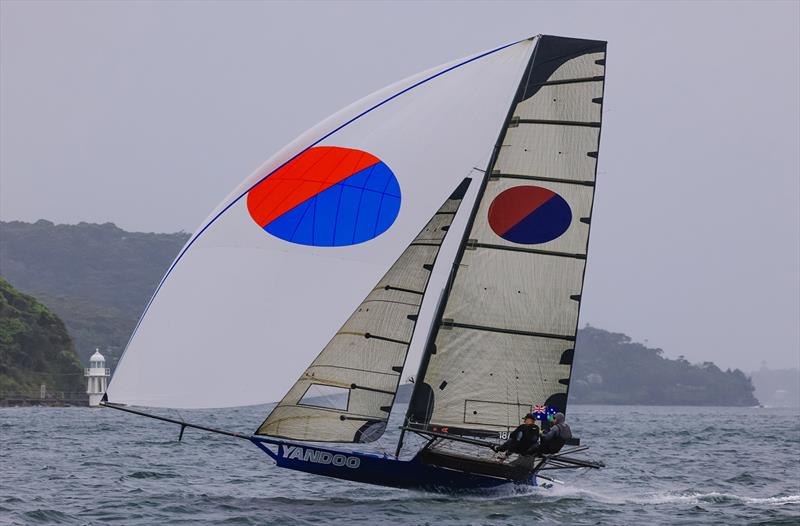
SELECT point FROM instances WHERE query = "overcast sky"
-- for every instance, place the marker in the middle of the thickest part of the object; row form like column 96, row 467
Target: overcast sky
column 148, row 114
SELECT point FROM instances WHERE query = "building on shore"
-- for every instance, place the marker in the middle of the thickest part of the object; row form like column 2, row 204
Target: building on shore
column 97, row 378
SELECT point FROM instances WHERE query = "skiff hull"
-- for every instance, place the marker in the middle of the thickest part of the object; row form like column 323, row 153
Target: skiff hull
column 376, row 469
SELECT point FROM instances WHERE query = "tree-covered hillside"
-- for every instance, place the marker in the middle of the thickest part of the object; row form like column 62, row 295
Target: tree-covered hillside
column 97, row 278
column 35, row 348
column 609, row 368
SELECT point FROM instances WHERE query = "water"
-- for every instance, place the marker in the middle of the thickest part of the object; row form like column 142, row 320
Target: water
column 665, row 465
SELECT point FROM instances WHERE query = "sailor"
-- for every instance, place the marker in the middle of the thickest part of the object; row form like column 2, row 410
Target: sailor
column 554, row 438
column 523, row 439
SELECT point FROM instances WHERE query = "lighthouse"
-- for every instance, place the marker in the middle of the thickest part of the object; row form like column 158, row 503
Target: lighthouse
column 97, row 378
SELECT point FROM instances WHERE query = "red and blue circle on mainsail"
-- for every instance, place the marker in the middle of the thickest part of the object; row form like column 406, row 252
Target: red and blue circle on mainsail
column 327, row 197
column 529, row 215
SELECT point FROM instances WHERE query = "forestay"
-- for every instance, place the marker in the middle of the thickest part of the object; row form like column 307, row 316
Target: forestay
column 506, row 336
column 275, row 271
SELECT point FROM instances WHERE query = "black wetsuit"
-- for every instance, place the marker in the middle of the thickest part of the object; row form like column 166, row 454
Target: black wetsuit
column 521, row 440
column 553, row 440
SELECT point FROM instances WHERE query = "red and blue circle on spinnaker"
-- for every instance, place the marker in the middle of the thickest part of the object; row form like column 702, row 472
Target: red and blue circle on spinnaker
column 327, row 197
column 529, row 215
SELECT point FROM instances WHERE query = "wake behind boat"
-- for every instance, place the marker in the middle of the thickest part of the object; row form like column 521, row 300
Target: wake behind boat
column 481, row 170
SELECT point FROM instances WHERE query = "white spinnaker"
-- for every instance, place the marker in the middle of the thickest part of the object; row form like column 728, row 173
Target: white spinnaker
column 241, row 314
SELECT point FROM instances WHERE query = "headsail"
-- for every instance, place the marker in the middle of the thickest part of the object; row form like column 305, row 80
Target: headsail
column 506, row 335
column 347, row 393
column 275, row 271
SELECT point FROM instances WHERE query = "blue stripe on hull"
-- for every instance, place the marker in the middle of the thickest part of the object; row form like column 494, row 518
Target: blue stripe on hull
column 374, row 469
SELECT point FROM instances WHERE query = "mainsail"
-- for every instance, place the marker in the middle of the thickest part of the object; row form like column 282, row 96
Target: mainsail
column 506, row 334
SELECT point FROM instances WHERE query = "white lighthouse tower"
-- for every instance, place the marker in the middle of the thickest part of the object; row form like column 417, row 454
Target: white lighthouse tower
column 97, row 376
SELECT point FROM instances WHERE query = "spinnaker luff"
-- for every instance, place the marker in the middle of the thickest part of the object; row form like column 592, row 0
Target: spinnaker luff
column 317, row 267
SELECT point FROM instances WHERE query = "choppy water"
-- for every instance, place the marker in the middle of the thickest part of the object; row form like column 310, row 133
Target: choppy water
column 665, row 465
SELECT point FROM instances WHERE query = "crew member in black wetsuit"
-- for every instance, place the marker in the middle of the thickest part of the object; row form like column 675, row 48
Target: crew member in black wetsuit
column 554, row 438
column 523, row 439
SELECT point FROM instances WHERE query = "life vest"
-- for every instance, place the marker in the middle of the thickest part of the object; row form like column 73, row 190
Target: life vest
column 555, row 444
column 522, row 438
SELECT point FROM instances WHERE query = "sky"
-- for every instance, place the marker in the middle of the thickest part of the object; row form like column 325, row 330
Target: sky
column 148, row 114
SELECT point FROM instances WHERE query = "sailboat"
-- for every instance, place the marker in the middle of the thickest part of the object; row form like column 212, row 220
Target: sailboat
column 436, row 231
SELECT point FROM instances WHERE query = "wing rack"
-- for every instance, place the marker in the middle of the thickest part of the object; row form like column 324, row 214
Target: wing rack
column 525, row 468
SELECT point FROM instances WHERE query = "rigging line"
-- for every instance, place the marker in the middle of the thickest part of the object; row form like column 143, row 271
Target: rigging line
column 541, row 381
column 179, row 414
column 380, row 206
column 338, row 207
column 508, row 411
column 173, row 421
column 516, row 386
